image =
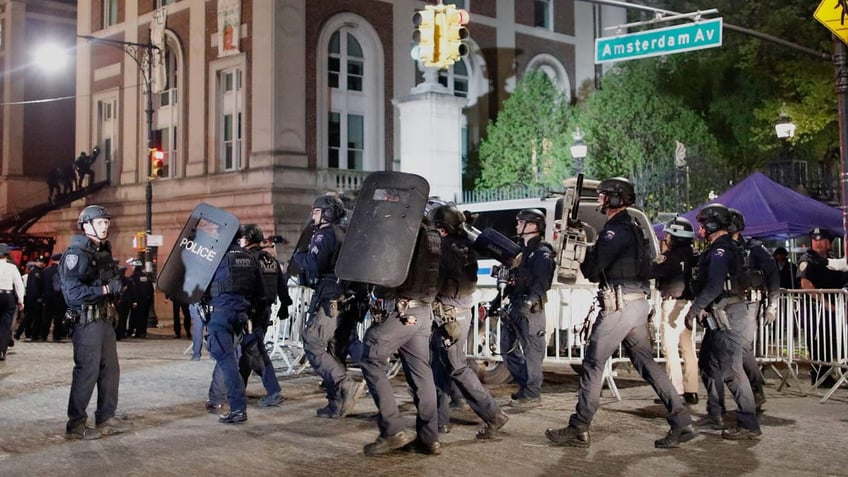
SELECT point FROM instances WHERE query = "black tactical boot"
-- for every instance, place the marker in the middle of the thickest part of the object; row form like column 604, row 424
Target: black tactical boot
column 569, row 436
column 390, row 443
column 676, row 436
column 490, row 430
column 690, row 398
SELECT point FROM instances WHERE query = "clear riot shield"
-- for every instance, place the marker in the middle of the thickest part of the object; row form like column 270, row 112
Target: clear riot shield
column 380, row 240
column 197, row 253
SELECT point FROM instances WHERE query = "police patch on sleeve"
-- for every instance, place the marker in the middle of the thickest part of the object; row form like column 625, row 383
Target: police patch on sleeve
column 719, row 252
column 71, row 261
column 609, row 235
column 802, row 266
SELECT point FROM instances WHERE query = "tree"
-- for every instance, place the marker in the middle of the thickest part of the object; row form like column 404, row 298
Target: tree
column 632, row 128
column 528, row 143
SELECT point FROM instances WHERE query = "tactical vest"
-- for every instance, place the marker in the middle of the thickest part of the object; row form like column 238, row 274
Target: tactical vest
column 734, row 281
column 752, row 277
column 270, row 272
column 457, row 268
column 633, row 265
column 242, row 267
column 422, row 281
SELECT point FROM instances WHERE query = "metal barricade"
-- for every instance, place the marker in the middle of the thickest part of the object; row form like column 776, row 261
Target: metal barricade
column 283, row 339
column 810, row 329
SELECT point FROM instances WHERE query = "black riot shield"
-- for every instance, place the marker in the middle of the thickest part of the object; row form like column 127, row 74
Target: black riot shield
column 302, row 245
column 197, row 253
column 381, row 237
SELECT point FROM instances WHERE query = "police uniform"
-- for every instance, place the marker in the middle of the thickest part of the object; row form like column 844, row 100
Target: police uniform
column 236, row 284
column 143, row 300
column 85, row 269
column 452, row 309
column 670, row 274
column 255, row 356
column 318, row 269
column 406, row 329
column 721, row 349
column 54, row 303
column 761, row 275
column 820, row 340
column 617, row 263
column 523, row 329
column 11, row 297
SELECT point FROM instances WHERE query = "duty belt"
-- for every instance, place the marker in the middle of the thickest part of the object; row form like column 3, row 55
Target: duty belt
column 403, row 304
column 6, row 291
column 633, row 296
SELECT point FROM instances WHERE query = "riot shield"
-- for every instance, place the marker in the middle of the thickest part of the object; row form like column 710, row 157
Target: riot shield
column 197, row 253
column 381, row 237
column 302, row 245
column 647, row 231
column 493, row 243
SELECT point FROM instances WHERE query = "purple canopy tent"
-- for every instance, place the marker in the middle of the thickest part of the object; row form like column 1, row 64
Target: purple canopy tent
column 773, row 211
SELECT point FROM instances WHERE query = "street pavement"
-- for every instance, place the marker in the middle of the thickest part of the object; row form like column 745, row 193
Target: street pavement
column 163, row 391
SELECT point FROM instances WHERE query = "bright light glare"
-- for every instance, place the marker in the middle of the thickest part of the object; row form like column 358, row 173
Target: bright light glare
column 51, row 57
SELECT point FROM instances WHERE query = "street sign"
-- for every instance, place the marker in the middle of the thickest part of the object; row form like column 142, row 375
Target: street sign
column 833, row 14
column 661, row 41
column 155, row 240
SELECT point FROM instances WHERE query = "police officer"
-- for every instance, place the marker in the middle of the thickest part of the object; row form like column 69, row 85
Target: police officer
column 814, row 274
column 124, row 304
column 405, row 328
column 90, row 283
column 619, row 262
column 721, row 308
column 318, row 264
column 523, row 325
column 672, row 274
column 142, row 299
column 452, row 313
column 236, row 284
column 254, row 355
column 11, row 297
column 54, row 303
column 761, row 277
column 30, row 326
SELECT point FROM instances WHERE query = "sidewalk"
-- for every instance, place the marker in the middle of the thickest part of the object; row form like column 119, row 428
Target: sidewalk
column 163, row 392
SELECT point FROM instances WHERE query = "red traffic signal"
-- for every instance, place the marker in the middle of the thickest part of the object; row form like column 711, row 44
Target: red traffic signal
column 157, row 163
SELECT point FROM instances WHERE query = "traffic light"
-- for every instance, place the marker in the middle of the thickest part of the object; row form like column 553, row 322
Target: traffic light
column 451, row 33
column 424, row 35
column 140, row 241
column 157, row 162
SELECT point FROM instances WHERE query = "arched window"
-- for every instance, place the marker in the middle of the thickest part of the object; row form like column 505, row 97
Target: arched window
column 552, row 67
column 351, row 116
column 166, row 121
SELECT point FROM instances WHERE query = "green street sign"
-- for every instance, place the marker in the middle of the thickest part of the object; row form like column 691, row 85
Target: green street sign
column 662, row 41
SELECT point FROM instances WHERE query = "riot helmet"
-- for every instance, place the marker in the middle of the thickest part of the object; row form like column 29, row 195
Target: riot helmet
column 447, row 217
column 332, row 208
column 737, row 221
column 93, row 212
column 714, row 217
column 252, row 233
column 680, row 228
column 618, row 192
column 535, row 216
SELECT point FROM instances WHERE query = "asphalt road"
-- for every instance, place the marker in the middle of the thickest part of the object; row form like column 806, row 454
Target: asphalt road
column 162, row 392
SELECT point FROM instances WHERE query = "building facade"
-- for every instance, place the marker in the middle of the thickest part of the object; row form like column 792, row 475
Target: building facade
column 263, row 104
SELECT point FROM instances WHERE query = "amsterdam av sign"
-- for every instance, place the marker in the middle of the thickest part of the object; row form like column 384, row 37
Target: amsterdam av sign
column 662, row 41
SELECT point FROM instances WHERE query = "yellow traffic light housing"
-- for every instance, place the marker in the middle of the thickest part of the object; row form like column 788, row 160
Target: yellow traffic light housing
column 157, row 163
column 424, row 35
column 451, row 33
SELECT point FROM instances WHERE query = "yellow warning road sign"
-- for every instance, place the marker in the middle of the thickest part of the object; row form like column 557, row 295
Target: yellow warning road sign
column 834, row 15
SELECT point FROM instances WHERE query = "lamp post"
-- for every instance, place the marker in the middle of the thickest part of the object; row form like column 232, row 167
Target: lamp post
column 785, row 171
column 139, row 52
column 578, row 150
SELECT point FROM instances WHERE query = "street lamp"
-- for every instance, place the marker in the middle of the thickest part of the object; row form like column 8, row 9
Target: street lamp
column 579, row 150
column 142, row 54
column 784, row 128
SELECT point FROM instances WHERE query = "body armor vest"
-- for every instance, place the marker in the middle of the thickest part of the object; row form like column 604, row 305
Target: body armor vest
column 270, row 272
column 422, row 281
column 241, row 266
column 457, row 268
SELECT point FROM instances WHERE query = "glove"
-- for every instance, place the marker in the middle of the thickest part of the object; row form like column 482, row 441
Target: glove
column 453, row 331
column 771, row 314
column 693, row 315
column 492, row 310
column 115, row 286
